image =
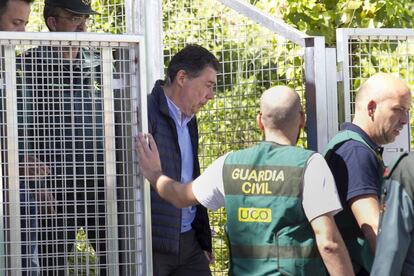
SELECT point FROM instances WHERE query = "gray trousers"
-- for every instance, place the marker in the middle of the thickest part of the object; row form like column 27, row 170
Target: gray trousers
column 189, row 262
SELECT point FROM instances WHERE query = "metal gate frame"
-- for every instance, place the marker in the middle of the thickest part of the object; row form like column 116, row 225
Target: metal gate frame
column 141, row 188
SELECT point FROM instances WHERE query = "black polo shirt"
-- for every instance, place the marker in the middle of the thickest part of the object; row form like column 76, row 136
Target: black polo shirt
column 355, row 167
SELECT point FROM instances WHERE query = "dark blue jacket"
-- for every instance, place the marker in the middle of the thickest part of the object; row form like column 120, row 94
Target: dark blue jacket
column 166, row 219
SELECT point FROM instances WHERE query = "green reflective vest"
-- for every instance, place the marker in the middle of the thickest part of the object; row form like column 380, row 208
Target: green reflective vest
column 267, row 229
column 358, row 247
column 395, row 244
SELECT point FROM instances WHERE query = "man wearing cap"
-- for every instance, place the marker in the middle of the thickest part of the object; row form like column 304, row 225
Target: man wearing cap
column 68, row 16
column 63, row 85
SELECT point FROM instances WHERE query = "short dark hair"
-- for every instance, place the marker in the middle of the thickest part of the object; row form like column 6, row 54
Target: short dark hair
column 192, row 59
column 3, row 4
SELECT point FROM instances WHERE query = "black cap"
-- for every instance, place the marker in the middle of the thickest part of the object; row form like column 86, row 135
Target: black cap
column 75, row 6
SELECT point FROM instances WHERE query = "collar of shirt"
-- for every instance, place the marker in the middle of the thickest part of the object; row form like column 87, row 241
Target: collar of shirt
column 179, row 117
column 350, row 126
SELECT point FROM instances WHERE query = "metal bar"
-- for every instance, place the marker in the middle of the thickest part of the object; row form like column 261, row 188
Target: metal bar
column 319, row 64
column 154, row 41
column 275, row 25
column 332, row 92
column 134, row 9
column 53, row 37
column 139, row 18
column 2, row 188
column 316, row 93
column 146, row 196
column 13, row 161
column 110, row 163
column 310, row 94
column 343, row 62
column 129, row 16
column 137, row 183
column 381, row 32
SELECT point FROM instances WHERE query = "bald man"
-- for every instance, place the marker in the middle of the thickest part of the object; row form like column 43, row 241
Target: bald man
column 382, row 106
column 276, row 222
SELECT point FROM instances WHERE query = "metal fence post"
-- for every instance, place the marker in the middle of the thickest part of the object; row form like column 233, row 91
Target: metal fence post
column 154, row 41
column 110, row 163
column 145, row 186
column 13, row 162
column 316, row 93
column 331, row 92
column 343, row 64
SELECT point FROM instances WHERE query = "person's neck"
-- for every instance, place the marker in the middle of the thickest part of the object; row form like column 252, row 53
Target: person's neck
column 366, row 127
column 280, row 138
column 173, row 94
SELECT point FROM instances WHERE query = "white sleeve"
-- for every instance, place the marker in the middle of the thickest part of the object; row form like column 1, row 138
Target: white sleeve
column 320, row 195
column 208, row 188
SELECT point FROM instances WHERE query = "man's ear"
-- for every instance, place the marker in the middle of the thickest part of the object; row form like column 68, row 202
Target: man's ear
column 259, row 121
column 371, row 107
column 180, row 77
column 51, row 23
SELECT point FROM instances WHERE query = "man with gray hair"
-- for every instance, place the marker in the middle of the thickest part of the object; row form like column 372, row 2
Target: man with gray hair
column 181, row 238
column 276, row 222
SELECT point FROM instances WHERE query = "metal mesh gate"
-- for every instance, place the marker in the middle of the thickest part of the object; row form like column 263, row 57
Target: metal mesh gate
column 363, row 52
column 256, row 52
column 71, row 201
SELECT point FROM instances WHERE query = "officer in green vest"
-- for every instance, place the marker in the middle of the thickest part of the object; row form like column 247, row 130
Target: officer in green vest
column 354, row 156
column 280, row 199
column 395, row 243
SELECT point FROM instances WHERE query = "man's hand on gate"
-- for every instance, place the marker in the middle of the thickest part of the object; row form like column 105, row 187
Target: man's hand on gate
column 148, row 157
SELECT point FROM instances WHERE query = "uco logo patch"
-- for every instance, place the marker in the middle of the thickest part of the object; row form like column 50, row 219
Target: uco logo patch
column 86, row 2
column 254, row 214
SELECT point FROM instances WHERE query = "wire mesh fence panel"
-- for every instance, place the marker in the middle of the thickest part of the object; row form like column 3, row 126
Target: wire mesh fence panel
column 110, row 17
column 369, row 52
column 252, row 59
column 71, row 202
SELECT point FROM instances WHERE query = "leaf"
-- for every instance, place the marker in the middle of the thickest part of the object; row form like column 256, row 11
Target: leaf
column 346, row 17
column 354, row 5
